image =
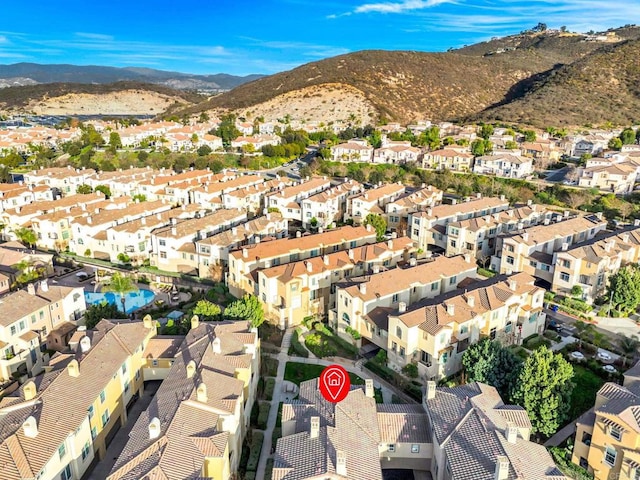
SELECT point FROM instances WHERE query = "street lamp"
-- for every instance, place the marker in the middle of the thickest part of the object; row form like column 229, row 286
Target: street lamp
column 122, row 300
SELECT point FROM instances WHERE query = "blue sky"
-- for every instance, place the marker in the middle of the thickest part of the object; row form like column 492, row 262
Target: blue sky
column 268, row 36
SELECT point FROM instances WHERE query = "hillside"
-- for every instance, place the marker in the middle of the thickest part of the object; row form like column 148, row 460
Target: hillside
column 604, row 86
column 30, row 73
column 405, row 86
column 74, row 98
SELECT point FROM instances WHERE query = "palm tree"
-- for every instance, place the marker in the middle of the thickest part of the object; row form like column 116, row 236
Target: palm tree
column 120, row 285
column 629, row 347
column 26, row 236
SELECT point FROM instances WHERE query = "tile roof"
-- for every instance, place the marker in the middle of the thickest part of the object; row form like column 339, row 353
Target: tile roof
column 540, row 234
column 190, row 227
column 19, row 304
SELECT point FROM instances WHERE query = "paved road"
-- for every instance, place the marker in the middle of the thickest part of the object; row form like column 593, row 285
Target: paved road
column 558, row 175
column 612, row 327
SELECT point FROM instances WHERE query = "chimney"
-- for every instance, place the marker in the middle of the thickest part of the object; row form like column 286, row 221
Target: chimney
column 191, row 369
column 431, row 390
column 174, row 231
column 309, row 266
column 511, row 432
column 565, row 246
column 471, row 301
column 44, row 285
column 525, row 236
column 325, row 259
column 234, row 231
column 85, row 344
column 502, row 197
column 566, row 213
column 376, row 268
column 636, row 223
column 351, row 254
column 609, row 245
column 520, row 226
column 154, row 428
column 159, row 216
column 502, row 468
column 89, row 220
column 363, row 288
column 195, row 322
column 467, row 258
column 245, row 253
column 30, row 427
column 547, row 221
column 31, row 289
column 216, row 345
column 298, row 234
column 174, row 221
column 29, row 390
column 143, row 221
column 368, row 388
column 369, row 228
column 320, row 230
column 148, row 322
column 315, row 427
column 341, row 463
column 429, row 212
column 73, row 368
column 201, row 393
column 402, row 307
column 413, row 262
column 450, row 308
column 529, row 203
column 512, row 284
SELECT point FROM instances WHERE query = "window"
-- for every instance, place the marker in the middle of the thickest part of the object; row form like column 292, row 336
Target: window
column 345, row 318
column 533, row 264
column 66, row 473
column 398, row 332
column 127, row 386
column 13, row 329
column 452, row 280
column 564, row 276
column 62, row 451
column 105, row 418
column 510, row 260
column 464, row 329
column 22, row 325
column 508, row 327
column 163, row 254
column 85, row 451
column 610, row 456
column 162, row 242
column 435, row 286
column 94, row 433
column 33, row 319
column 586, row 438
column 154, row 363
column 90, row 412
column 566, row 263
column 394, row 299
column 124, row 368
column 103, row 396
column 453, row 243
column 492, row 333
column 137, row 374
column 616, row 433
column 391, row 447
column 402, row 351
column 394, row 347
column 544, row 267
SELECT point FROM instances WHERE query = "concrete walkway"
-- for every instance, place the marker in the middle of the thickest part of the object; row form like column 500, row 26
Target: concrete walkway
column 567, row 431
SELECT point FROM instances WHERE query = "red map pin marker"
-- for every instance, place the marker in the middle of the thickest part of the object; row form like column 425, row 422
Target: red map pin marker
column 334, row 383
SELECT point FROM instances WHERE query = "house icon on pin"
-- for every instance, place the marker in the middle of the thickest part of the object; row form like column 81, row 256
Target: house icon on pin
column 334, row 379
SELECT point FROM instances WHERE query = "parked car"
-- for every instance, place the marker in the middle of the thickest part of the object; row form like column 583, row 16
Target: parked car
column 555, row 326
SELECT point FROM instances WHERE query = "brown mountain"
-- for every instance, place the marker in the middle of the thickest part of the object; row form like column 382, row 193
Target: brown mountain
column 479, row 81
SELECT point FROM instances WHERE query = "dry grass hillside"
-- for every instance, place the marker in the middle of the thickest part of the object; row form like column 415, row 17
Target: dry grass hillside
column 79, row 99
column 604, row 86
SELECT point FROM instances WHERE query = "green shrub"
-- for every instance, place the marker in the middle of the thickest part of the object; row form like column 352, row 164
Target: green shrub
column 410, row 370
column 536, row 341
column 319, row 345
column 562, row 457
column 263, row 415
column 485, row 272
column 414, row 391
column 354, row 333
column 296, row 347
column 380, row 370
column 269, row 387
column 256, row 448
column 255, row 411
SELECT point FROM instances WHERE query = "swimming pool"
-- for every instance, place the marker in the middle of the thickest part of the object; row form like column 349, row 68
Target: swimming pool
column 133, row 300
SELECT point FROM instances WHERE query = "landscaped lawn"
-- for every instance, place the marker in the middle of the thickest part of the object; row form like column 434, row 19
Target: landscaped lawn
column 300, row 372
column 587, row 385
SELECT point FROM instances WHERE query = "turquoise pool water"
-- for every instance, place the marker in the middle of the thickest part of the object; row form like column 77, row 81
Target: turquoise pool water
column 133, row 300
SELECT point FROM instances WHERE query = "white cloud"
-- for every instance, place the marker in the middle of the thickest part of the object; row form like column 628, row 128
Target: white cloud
column 95, row 36
column 399, row 7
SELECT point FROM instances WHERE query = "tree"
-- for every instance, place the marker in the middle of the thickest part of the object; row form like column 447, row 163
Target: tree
column 204, row 150
column 629, row 347
column 139, row 197
column 227, row 130
column 489, row 362
column 99, row 311
column 84, row 189
column 529, row 136
column 28, row 272
column 106, row 191
column 247, row 308
column 430, row 138
column 615, row 143
column 410, row 370
column 624, row 289
column 510, row 145
column 207, row 310
column 478, row 147
column 120, row 285
column 204, row 117
column 143, row 156
column 486, row 131
column 576, row 291
column 544, row 389
column 628, row 136
column 376, row 176
column 114, row 140
column 378, row 223
column 638, row 135
column 26, row 236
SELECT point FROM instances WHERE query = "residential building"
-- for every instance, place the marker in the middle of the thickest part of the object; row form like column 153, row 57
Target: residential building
column 256, row 141
column 355, row 150
column 374, row 201
column 14, row 195
column 540, row 150
column 591, row 263
column 253, row 199
column 428, row 228
column 504, row 165
column 476, row 435
column 590, row 144
column 14, row 253
column 618, row 178
column 173, row 247
column 607, row 436
column 28, row 316
column 457, row 160
column 397, row 211
column 292, row 291
column 198, row 433
column 213, row 251
column 362, row 304
column 210, row 194
column 329, row 206
column 243, row 262
column 288, row 201
column 531, row 249
column 65, row 179
column 435, row 332
column 58, row 423
column 397, row 153
column 477, row 236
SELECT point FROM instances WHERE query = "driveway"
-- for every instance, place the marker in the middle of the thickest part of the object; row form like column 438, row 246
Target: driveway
column 102, row 468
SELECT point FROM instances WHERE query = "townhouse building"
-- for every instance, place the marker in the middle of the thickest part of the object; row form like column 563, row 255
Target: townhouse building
column 355, row 150
column 505, row 165
column 363, row 304
column 89, row 230
column 14, row 253
column 292, row 291
column 541, row 151
column 329, row 206
column 374, row 201
column 28, row 316
column 243, row 262
column 253, row 199
column 589, row 264
column 256, row 142
column 199, row 433
column 435, row 333
column 477, row 236
column 590, row 144
column 288, row 200
column 123, row 182
column 15, row 195
column 65, row 179
column 428, row 228
column 213, row 251
column 210, row 194
column 608, row 435
column 457, row 160
column 531, row 250
column 618, row 178
column 151, row 187
column 397, row 153
column 396, row 212
column 173, row 248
